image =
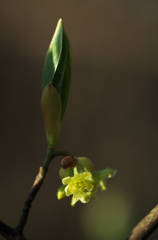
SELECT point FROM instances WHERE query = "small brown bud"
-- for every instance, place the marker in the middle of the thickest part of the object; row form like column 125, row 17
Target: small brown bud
column 68, row 162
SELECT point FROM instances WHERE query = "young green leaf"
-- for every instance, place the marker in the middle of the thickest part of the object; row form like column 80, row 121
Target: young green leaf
column 51, row 109
column 53, row 56
column 57, row 67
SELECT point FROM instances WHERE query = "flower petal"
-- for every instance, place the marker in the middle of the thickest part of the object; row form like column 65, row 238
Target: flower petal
column 102, row 185
column 93, row 195
column 68, row 192
column 89, row 186
column 86, row 163
column 74, row 201
column 107, row 173
column 66, row 180
column 79, row 195
column 85, row 199
column 87, row 175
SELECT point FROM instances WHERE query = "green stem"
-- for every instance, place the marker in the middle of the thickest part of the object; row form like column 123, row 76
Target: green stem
column 49, row 156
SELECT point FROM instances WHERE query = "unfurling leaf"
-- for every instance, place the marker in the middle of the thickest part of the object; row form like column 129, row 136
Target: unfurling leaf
column 57, row 67
column 56, row 83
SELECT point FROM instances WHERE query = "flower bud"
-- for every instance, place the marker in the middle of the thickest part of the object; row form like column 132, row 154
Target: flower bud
column 61, row 192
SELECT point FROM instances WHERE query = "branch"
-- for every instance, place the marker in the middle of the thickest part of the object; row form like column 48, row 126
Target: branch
column 27, row 205
column 10, row 233
column 146, row 226
column 36, row 186
column 17, row 233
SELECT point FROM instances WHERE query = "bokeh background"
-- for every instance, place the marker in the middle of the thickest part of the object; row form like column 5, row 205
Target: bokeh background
column 111, row 115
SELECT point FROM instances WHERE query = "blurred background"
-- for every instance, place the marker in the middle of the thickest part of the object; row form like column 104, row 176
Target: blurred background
column 111, row 115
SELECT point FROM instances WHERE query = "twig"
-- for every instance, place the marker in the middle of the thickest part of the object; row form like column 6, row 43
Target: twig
column 27, row 206
column 17, row 233
column 10, row 233
column 36, row 186
column 146, row 226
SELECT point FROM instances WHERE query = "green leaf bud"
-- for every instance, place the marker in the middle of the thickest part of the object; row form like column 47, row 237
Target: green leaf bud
column 51, row 109
column 61, row 192
column 57, row 67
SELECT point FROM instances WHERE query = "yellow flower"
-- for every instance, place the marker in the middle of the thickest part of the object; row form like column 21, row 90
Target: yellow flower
column 82, row 181
column 80, row 186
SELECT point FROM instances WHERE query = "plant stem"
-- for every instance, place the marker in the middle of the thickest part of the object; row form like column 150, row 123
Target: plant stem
column 17, row 233
column 48, row 158
column 146, row 226
column 10, row 233
column 36, row 186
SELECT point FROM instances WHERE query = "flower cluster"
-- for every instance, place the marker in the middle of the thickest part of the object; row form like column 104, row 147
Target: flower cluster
column 82, row 182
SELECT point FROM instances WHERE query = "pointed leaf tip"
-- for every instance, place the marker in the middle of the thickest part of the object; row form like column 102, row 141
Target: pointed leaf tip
column 53, row 56
column 60, row 21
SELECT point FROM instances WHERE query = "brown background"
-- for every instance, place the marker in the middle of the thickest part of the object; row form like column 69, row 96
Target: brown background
column 111, row 115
